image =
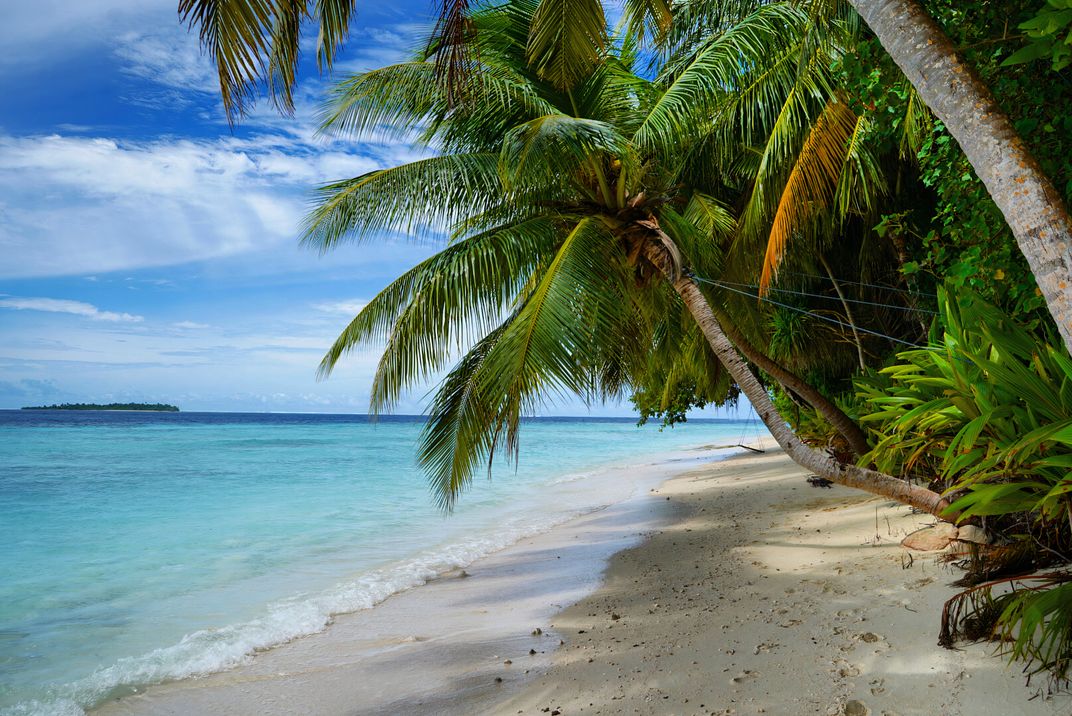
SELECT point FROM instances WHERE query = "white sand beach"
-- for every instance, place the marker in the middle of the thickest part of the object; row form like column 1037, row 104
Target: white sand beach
column 751, row 593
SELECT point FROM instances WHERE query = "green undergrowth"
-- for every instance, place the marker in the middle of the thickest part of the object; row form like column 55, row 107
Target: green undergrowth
column 984, row 415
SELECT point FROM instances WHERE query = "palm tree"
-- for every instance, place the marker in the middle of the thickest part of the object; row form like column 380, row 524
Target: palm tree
column 257, row 43
column 575, row 220
column 1032, row 207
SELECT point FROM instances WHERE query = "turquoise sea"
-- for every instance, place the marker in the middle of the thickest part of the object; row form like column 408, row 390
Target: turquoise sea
column 141, row 547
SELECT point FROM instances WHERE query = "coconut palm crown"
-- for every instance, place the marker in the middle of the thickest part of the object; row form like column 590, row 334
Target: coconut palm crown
column 572, row 215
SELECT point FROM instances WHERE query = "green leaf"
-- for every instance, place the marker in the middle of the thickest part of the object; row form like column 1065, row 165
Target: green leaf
column 1029, row 53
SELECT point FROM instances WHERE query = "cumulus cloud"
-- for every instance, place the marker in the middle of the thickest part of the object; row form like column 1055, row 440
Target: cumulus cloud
column 77, row 308
column 78, row 205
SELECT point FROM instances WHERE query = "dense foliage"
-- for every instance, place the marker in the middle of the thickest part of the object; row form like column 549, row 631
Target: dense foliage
column 778, row 157
column 986, row 413
column 952, row 231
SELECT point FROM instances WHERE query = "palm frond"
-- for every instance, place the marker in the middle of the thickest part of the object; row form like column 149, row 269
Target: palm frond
column 462, row 296
column 422, row 198
column 543, row 348
column 805, row 102
column 551, row 150
column 457, row 293
column 697, row 86
column 397, row 101
column 404, row 101
column 711, row 216
column 648, row 19
column 283, row 56
column 333, row 19
column 862, row 180
column 812, row 182
column 253, row 42
column 566, row 40
column 452, row 43
column 236, row 34
column 916, row 125
column 463, row 425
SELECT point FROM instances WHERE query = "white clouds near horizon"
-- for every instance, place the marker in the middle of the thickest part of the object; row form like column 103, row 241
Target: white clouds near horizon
column 76, row 308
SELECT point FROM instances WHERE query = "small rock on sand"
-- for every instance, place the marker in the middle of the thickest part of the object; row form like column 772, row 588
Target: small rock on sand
column 971, row 533
column 930, row 539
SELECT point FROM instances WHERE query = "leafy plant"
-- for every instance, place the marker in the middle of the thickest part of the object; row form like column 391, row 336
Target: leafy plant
column 986, row 411
column 1050, row 32
column 987, row 408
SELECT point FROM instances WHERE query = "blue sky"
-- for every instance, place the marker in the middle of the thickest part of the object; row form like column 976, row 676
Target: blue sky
column 149, row 252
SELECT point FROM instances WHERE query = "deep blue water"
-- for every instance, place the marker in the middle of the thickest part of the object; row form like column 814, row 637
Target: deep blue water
column 139, row 547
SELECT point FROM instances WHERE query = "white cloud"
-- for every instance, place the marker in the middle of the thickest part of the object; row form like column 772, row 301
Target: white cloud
column 49, row 30
column 191, row 325
column 77, row 308
column 384, row 46
column 82, row 205
column 169, row 56
column 350, row 307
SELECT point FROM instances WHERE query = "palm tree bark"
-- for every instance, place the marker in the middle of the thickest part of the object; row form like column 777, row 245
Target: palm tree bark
column 1031, row 205
column 846, row 426
column 820, row 463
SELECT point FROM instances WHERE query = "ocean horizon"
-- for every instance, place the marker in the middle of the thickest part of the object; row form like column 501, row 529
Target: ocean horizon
column 152, row 546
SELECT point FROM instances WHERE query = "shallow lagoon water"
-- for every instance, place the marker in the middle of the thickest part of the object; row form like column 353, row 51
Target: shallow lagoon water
column 140, row 547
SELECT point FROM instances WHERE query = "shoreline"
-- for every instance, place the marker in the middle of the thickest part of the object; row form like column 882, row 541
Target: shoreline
column 475, row 618
column 734, row 587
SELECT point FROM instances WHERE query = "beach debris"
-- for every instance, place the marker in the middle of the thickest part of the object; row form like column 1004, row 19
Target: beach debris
column 973, row 534
column 745, row 675
column 537, row 631
column 498, row 679
column 930, row 539
column 508, row 662
column 819, row 481
column 615, row 616
column 532, row 652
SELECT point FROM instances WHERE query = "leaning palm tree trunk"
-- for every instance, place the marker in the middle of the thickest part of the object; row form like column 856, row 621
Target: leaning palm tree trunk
column 818, row 462
column 1031, row 205
column 846, row 426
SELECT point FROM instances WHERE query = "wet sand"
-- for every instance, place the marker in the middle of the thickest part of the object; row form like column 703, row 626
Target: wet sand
column 443, row 647
column 752, row 593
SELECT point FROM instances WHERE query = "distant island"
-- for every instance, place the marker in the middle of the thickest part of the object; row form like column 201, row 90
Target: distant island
column 156, row 407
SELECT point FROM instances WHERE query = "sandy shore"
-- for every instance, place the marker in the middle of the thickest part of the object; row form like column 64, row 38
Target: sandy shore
column 767, row 596
column 753, row 593
column 442, row 647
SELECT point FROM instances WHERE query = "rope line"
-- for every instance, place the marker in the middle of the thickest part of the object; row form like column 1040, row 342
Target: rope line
column 835, row 298
column 858, row 283
column 821, row 317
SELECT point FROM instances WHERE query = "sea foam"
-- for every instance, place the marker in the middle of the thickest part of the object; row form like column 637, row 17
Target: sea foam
column 151, row 548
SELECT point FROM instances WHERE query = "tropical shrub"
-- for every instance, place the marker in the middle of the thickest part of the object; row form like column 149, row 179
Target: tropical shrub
column 985, row 413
